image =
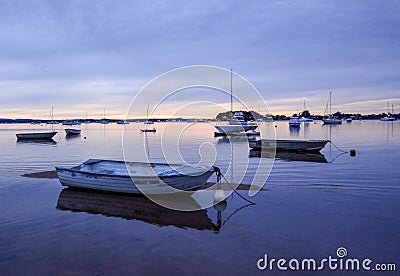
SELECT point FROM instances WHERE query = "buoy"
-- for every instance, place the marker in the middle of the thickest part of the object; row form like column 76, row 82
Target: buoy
column 219, row 196
column 352, row 152
column 84, row 137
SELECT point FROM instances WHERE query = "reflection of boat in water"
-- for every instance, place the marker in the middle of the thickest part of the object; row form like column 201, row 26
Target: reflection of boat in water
column 120, row 176
column 248, row 134
column 290, row 156
column 289, row 145
column 37, row 141
column 132, row 207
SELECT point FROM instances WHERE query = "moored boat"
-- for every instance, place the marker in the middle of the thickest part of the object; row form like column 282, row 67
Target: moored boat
column 330, row 120
column 120, row 176
column 236, row 125
column 289, row 145
column 36, row 135
column 72, row 131
column 148, row 130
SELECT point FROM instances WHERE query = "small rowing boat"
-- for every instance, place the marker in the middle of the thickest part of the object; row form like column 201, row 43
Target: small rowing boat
column 124, row 177
column 36, row 135
column 72, row 131
column 289, row 145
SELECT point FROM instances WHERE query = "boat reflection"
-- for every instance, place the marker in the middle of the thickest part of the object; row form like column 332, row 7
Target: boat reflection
column 37, row 141
column 136, row 207
column 290, row 156
column 234, row 139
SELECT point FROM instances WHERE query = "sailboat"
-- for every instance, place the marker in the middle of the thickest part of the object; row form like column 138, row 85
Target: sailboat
column 237, row 124
column 330, row 120
column 104, row 121
column 305, row 118
column 389, row 117
column 148, row 122
column 38, row 135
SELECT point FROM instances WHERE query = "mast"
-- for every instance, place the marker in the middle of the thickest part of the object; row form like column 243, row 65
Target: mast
column 231, row 93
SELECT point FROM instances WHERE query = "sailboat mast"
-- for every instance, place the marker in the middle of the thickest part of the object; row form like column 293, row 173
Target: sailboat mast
column 330, row 103
column 231, row 93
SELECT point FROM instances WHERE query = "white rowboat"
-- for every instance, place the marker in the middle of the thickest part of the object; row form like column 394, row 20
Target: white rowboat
column 120, row 176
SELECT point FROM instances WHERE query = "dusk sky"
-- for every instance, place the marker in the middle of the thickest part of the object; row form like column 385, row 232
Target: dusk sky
column 84, row 56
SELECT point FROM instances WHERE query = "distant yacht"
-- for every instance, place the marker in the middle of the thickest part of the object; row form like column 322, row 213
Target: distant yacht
column 331, row 120
column 237, row 123
column 389, row 117
column 305, row 118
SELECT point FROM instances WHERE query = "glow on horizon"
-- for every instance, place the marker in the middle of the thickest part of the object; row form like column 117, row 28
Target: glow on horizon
column 276, row 107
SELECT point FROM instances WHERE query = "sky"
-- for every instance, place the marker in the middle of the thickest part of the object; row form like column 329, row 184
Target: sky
column 82, row 57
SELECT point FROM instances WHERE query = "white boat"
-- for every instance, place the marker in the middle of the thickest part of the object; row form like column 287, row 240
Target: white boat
column 349, row 120
column 120, row 176
column 36, row 135
column 306, row 119
column 388, row 119
column 294, row 122
column 123, row 122
column 330, row 120
column 72, row 131
column 236, row 125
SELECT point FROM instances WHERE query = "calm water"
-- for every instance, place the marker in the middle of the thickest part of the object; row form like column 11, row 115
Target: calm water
column 310, row 206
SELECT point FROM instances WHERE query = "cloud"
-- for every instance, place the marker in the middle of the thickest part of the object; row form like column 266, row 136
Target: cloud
column 53, row 51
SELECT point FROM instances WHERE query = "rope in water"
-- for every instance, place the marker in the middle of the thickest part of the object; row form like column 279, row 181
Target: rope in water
column 221, row 176
column 333, row 144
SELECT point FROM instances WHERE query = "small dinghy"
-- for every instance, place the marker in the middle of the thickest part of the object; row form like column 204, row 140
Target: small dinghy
column 288, row 145
column 72, row 131
column 120, row 176
column 36, row 135
column 148, row 130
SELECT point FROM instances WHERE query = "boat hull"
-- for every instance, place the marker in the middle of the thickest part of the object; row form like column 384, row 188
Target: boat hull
column 38, row 135
column 332, row 121
column 71, row 131
column 73, row 177
column 289, row 145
